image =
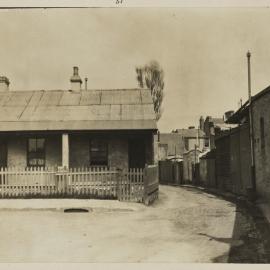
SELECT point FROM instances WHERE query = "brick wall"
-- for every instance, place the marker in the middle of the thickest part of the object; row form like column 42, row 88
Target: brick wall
column 223, row 162
column 53, row 155
column 78, row 150
column 233, row 160
column 17, row 151
column 261, row 108
column 118, row 153
column 117, row 150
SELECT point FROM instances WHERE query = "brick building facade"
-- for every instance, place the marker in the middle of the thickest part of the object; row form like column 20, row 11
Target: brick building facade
column 260, row 111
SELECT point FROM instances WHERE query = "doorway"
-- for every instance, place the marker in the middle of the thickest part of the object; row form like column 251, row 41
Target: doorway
column 136, row 153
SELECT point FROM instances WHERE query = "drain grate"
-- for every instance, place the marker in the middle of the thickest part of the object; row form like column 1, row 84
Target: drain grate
column 76, row 210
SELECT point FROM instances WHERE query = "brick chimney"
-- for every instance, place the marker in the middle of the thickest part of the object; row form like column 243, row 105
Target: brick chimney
column 4, row 83
column 201, row 123
column 76, row 80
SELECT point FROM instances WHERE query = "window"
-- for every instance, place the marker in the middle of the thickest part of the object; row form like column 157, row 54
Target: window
column 36, row 152
column 262, row 133
column 98, row 153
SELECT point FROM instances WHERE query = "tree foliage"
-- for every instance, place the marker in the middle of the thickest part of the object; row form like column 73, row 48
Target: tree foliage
column 151, row 76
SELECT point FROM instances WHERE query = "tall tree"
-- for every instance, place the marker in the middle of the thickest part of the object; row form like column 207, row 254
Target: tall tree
column 151, row 76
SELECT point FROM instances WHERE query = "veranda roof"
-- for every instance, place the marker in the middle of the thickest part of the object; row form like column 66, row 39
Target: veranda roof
column 76, row 110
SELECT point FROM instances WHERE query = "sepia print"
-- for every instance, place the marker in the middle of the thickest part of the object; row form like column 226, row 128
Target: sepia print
column 135, row 135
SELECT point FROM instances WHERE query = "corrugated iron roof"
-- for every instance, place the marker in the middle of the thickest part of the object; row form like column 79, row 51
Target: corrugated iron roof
column 76, row 110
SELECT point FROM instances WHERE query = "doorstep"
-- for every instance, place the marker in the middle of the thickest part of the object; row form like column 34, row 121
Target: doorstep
column 61, row 204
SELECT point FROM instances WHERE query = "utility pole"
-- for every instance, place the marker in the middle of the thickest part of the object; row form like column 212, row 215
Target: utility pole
column 253, row 181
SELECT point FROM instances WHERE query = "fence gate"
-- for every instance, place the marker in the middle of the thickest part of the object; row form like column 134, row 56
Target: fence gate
column 131, row 185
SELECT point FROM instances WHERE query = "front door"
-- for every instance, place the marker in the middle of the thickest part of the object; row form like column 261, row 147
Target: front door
column 136, row 153
column 3, row 154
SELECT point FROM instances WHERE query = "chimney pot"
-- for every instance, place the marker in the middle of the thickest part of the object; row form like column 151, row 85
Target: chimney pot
column 76, row 80
column 75, row 71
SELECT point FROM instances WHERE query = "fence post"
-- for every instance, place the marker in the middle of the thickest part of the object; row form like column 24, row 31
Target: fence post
column 145, row 184
column 119, row 177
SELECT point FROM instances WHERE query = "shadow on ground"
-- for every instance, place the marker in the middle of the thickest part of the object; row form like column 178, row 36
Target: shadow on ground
column 253, row 230
column 250, row 242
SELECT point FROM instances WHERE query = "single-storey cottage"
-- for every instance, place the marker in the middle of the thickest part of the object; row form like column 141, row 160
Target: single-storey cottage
column 76, row 128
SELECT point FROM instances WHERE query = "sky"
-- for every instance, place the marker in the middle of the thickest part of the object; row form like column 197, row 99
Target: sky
column 201, row 50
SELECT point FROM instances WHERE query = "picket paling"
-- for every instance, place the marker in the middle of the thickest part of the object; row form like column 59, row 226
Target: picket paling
column 127, row 185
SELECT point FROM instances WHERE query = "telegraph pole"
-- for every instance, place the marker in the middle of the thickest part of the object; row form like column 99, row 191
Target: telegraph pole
column 253, row 181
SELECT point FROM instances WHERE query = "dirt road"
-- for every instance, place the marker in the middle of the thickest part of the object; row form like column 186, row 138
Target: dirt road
column 184, row 225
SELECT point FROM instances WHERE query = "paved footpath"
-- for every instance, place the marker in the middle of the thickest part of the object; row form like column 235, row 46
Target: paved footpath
column 184, row 225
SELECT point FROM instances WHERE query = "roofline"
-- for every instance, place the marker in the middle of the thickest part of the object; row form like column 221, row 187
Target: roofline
column 234, row 119
column 82, row 90
column 78, row 125
column 85, row 131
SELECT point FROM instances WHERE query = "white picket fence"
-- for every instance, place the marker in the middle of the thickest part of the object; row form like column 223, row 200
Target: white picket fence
column 131, row 185
column 86, row 182
column 20, row 182
column 74, row 182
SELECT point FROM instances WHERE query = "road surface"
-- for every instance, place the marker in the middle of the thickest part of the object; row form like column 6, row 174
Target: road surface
column 184, row 225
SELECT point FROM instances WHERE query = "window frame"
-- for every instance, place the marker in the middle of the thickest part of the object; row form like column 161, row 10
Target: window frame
column 95, row 164
column 36, row 154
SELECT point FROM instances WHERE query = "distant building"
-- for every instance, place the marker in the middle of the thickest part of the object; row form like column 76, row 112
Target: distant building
column 212, row 127
column 192, row 137
column 190, row 159
column 179, row 141
column 170, row 145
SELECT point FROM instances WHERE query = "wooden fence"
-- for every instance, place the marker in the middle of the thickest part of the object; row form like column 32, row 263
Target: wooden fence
column 151, row 184
column 109, row 183
column 131, row 185
column 170, row 172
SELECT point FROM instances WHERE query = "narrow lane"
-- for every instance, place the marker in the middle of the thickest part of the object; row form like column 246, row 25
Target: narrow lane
column 184, row 225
